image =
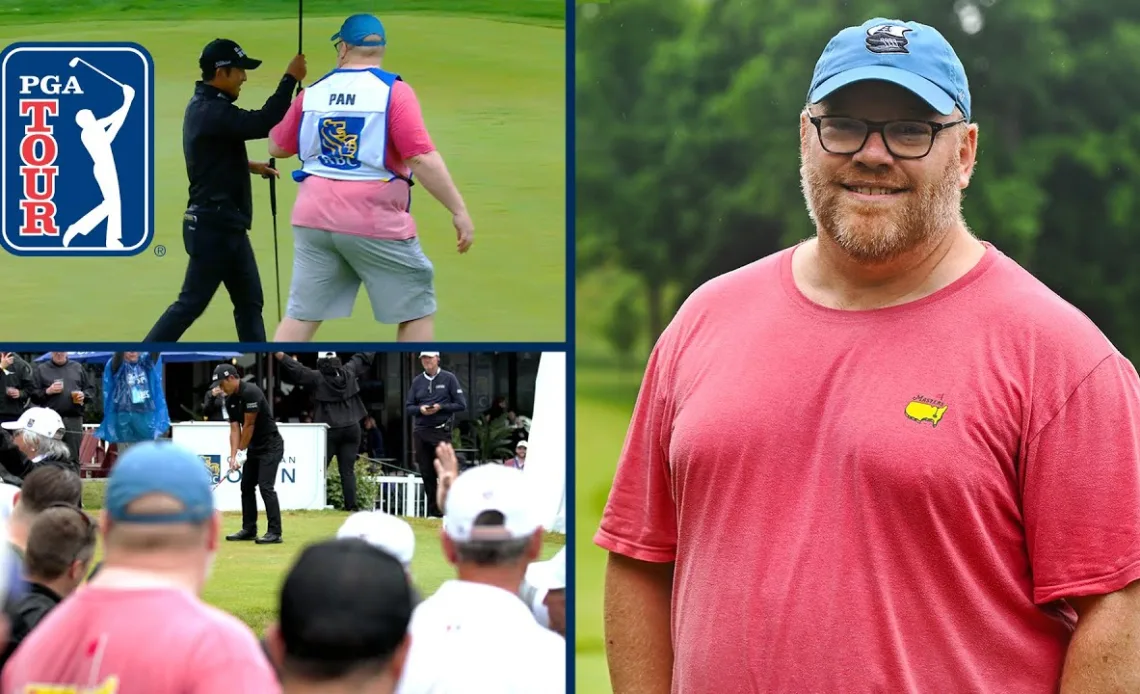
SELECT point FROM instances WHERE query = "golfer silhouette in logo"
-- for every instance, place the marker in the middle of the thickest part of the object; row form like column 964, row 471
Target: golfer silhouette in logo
column 97, row 136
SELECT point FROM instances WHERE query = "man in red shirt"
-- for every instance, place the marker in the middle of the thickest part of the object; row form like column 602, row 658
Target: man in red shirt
column 935, row 486
column 139, row 627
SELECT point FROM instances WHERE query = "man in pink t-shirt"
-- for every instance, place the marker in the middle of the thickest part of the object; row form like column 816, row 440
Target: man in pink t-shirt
column 920, row 471
column 361, row 138
column 139, row 626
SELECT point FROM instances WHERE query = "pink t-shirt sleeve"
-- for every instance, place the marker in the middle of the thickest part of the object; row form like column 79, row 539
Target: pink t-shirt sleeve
column 1081, row 488
column 407, row 133
column 640, row 518
column 285, row 133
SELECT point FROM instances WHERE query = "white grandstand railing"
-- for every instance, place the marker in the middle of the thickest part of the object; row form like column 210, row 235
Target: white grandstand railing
column 401, row 495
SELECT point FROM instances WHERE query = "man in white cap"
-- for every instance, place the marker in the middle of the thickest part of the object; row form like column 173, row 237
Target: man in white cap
column 38, row 438
column 388, row 532
column 519, row 461
column 476, row 624
column 434, row 398
column 544, row 591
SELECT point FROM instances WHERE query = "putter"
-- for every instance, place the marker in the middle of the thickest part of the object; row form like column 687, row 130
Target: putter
column 75, row 61
column 276, row 256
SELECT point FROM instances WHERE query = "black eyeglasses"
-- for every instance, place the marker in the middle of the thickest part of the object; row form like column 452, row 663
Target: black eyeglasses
column 88, row 524
column 904, row 139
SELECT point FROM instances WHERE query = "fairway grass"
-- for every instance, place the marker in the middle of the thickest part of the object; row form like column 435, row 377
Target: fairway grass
column 247, row 577
column 604, row 399
column 493, row 97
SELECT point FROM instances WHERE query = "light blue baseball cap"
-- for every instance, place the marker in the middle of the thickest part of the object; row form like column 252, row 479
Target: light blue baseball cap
column 914, row 56
column 358, row 27
column 160, row 467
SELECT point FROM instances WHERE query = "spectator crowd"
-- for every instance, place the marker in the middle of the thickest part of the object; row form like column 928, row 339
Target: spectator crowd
column 349, row 617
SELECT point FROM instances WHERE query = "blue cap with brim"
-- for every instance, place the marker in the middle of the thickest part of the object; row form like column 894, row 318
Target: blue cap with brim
column 165, row 468
column 911, row 55
column 357, row 28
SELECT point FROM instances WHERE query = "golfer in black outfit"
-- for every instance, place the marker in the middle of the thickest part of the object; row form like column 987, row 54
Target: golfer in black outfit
column 433, row 400
column 253, row 430
column 215, row 227
column 336, row 393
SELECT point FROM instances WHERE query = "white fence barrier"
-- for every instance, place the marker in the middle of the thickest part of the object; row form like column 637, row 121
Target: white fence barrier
column 401, row 495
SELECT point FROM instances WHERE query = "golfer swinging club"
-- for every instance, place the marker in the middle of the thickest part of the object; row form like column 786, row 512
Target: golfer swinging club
column 97, row 136
column 252, row 429
column 360, row 136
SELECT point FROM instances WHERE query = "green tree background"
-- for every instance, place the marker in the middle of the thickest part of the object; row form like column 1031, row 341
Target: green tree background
column 688, row 167
column 687, row 139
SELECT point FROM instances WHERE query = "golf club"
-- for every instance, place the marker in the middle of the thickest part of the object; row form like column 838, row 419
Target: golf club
column 75, row 61
column 276, row 255
column 300, row 34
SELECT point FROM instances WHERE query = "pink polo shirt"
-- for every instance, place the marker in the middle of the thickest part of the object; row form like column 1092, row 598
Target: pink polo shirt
column 891, row 501
column 376, row 209
column 138, row 641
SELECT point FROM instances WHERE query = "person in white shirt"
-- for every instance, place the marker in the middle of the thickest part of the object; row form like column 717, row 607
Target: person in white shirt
column 544, row 591
column 474, row 635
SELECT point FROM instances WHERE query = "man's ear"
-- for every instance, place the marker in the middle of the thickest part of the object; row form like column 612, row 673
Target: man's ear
column 275, row 644
column 400, row 657
column 968, row 155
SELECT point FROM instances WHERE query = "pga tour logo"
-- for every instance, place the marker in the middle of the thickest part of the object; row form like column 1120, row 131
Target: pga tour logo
column 77, row 122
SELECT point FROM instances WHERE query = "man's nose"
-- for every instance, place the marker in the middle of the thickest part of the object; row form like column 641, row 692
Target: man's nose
column 874, row 152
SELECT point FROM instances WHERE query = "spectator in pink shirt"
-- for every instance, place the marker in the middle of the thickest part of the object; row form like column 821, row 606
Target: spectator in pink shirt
column 360, row 136
column 139, row 627
column 923, row 472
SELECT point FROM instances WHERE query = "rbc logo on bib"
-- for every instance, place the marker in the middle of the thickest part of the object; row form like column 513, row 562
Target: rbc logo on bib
column 77, row 149
column 340, row 138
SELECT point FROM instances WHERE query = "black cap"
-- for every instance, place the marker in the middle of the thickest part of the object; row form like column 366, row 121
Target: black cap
column 345, row 600
column 225, row 53
column 224, row 371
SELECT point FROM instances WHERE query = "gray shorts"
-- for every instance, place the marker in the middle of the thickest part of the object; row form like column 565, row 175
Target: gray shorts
column 328, row 268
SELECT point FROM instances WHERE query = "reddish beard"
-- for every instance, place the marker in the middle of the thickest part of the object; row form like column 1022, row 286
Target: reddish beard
column 871, row 235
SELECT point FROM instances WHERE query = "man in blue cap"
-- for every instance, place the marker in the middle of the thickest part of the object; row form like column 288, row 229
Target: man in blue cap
column 140, row 625
column 916, row 501
column 360, row 136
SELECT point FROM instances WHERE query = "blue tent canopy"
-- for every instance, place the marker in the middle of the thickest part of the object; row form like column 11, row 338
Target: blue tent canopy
column 168, row 357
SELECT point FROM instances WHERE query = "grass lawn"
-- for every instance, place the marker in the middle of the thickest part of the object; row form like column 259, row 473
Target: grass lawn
column 247, row 577
column 491, row 80
column 604, row 399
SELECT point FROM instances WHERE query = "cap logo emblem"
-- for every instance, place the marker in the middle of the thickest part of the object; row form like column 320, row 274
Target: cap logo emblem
column 887, row 38
column 239, row 51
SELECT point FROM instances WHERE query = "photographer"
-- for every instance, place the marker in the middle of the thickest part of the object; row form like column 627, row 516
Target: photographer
column 335, row 390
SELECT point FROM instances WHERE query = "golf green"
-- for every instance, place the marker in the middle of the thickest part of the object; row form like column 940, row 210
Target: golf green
column 493, row 98
column 246, row 577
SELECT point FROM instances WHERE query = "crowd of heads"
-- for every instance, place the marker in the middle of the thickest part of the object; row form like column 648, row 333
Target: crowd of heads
column 344, row 607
